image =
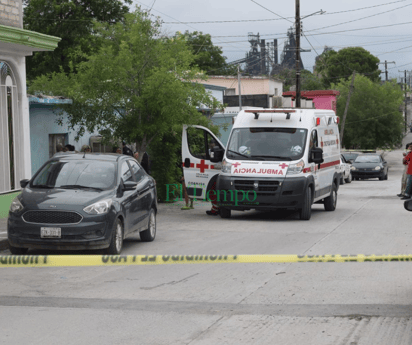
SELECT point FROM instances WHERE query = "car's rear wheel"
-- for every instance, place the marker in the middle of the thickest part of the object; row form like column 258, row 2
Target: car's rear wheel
column 17, row 251
column 349, row 179
column 306, row 211
column 331, row 201
column 149, row 234
column 225, row 213
column 116, row 241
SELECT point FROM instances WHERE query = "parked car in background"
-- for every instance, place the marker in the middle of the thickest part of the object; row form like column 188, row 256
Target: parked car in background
column 345, row 170
column 350, row 156
column 370, row 165
column 83, row 201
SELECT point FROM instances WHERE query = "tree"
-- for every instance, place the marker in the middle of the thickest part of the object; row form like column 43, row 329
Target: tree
column 136, row 87
column 309, row 81
column 374, row 118
column 72, row 21
column 333, row 66
column 208, row 57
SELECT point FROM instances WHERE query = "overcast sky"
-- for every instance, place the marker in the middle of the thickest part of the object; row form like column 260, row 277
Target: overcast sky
column 388, row 40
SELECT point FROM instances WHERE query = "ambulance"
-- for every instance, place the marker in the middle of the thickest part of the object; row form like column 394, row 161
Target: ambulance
column 275, row 159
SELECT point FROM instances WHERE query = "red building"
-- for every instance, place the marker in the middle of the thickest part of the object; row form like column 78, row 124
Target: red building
column 322, row 99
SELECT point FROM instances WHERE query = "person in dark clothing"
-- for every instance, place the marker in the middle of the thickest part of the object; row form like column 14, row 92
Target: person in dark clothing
column 145, row 163
column 126, row 150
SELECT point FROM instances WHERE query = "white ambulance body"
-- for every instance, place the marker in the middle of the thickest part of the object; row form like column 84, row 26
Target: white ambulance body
column 274, row 159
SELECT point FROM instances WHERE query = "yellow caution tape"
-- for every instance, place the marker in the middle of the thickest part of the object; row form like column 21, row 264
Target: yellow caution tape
column 124, row 260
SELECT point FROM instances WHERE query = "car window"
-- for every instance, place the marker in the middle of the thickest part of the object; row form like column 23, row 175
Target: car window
column 125, row 173
column 313, row 139
column 86, row 173
column 137, row 170
column 368, row 159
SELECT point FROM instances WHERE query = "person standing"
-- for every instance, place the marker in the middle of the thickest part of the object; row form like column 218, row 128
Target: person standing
column 408, row 188
column 127, row 150
column 404, row 175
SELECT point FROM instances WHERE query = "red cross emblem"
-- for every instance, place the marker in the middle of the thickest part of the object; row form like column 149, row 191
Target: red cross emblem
column 283, row 165
column 236, row 164
column 202, row 166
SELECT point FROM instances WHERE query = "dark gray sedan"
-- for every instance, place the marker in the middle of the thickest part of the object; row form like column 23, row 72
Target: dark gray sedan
column 370, row 165
column 83, row 201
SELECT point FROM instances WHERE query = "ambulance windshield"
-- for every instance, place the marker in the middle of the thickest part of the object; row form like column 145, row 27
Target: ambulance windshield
column 267, row 144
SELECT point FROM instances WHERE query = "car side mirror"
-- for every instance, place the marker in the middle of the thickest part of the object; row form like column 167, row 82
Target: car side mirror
column 129, row 185
column 24, row 183
column 216, row 154
column 316, row 155
column 350, row 161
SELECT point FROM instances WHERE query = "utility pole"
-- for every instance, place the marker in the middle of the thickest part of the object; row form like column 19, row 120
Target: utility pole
column 297, row 24
column 386, row 68
column 238, row 85
column 342, row 127
column 406, row 97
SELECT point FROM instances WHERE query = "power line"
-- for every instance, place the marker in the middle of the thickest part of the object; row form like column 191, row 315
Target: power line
column 355, row 20
column 273, row 19
column 271, row 11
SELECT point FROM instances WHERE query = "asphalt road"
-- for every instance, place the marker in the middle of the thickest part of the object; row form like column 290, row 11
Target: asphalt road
column 297, row 303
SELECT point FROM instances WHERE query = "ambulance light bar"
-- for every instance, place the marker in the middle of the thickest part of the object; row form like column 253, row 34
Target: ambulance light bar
column 285, row 111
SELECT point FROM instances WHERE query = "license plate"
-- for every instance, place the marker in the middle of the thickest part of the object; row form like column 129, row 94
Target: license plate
column 50, row 232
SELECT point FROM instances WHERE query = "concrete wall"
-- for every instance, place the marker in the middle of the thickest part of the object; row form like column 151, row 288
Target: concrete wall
column 43, row 121
column 11, row 13
column 249, row 85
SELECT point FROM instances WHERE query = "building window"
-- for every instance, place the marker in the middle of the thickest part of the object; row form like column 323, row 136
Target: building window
column 230, row 92
column 54, row 140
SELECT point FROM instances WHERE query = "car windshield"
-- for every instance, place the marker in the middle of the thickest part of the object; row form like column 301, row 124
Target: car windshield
column 267, row 144
column 368, row 159
column 76, row 174
column 350, row 155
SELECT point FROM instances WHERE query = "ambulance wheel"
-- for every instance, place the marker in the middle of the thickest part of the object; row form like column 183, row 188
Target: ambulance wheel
column 349, row 179
column 331, row 200
column 306, row 211
column 225, row 213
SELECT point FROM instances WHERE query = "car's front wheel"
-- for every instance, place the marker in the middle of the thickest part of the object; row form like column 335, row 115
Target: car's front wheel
column 17, row 251
column 116, row 241
column 331, row 201
column 225, row 213
column 149, row 234
column 306, row 211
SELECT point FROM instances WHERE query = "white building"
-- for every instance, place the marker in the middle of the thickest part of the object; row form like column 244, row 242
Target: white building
column 15, row 44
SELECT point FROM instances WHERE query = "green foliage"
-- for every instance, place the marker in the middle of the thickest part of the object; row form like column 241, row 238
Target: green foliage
column 308, row 81
column 137, row 87
column 333, row 66
column 208, row 57
column 72, row 21
column 374, row 118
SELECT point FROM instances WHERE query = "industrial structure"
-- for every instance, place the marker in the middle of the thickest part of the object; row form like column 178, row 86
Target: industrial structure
column 262, row 58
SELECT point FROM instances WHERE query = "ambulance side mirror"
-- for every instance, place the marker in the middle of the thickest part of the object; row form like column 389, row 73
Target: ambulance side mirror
column 316, row 155
column 216, row 154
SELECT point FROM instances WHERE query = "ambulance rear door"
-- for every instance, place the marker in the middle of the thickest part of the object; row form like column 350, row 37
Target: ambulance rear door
column 199, row 147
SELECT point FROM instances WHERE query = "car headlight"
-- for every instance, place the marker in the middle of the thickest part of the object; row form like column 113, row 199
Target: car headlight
column 378, row 168
column 226, row 167
column 352, row 168
column 16, row 205
column 100, row 207
column 296, row 168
